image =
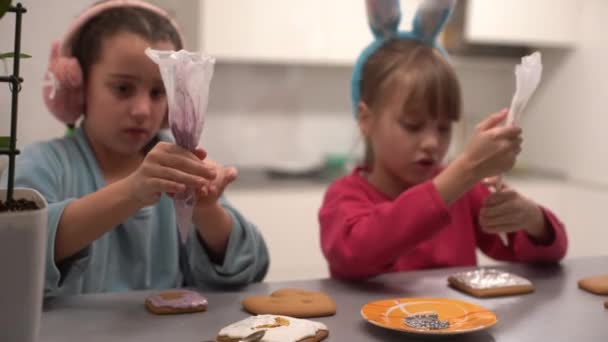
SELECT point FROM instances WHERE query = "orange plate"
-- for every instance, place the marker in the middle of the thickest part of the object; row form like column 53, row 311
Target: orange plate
column 464, row 317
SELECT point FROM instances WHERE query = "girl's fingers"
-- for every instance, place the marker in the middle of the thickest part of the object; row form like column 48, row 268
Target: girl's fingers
column 493, row 120
column 492, row 183
column 174, row 156
column 187, row 165
column 203, row 191
column 178, row 176
column 518, row 141
column 200, row 153
column 510, row 133
column 499, row 220
column 166, row 186
column 503, row 196
column 231, row 175
column 507, row 228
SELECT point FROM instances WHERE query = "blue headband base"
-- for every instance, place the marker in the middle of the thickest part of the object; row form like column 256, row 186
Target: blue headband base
column 355, row 86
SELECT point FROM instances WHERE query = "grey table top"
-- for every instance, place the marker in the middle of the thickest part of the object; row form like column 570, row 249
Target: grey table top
column 557, row 311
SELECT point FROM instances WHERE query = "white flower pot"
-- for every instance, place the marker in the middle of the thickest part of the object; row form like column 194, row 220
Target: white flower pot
column 22, row 263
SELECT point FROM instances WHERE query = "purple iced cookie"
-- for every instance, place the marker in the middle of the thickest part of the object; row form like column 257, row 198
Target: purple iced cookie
column 176, row 302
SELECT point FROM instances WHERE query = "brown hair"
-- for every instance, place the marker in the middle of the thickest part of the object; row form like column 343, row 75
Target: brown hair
column 145, row 23
column 419, row 71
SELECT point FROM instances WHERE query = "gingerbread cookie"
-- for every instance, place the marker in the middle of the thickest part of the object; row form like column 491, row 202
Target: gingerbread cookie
column 596, row 284
column 277, row 329
column 490, row 283
column 291, row 302
column 176, row 302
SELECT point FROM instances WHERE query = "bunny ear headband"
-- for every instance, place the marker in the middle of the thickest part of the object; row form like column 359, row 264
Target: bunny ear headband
column 384, row 17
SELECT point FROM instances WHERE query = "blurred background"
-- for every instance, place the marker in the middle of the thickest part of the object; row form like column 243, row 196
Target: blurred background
column 280, row 111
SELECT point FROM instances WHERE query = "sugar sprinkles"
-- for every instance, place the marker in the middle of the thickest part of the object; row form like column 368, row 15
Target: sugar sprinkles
column 426, row 321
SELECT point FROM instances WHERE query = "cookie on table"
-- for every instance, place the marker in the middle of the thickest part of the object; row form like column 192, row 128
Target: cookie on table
column 291, row 302
column 277, row 329
column 176, row 302
column 484, row 283
column 596, row 284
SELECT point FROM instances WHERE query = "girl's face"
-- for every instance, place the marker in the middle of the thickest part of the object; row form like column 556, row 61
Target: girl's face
column 408, row 146
column 125, row 97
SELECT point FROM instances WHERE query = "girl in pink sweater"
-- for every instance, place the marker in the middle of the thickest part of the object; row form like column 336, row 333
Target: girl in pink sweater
column 401, row 210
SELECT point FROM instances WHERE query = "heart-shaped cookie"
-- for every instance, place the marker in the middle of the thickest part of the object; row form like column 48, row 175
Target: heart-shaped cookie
column 291, row 302
column 595, row 284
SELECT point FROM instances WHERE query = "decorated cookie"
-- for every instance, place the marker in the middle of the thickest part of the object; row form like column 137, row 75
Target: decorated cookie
column 176, row 302
column 278, row 329
column 291, row 302
column 490, row 283
column 595, row 284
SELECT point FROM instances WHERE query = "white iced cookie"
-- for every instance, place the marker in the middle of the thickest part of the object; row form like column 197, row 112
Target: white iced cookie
column 278, row 329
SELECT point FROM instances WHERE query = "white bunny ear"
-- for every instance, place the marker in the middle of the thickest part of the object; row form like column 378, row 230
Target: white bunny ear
column 383, row 17
column 430, row 18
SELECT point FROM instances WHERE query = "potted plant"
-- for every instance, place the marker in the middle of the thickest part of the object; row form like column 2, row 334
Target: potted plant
column 23, row 221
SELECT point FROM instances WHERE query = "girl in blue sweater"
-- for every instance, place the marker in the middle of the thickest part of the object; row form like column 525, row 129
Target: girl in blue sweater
column 111, row 226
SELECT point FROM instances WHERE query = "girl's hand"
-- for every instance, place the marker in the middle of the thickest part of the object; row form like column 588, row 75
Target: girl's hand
column 171, row 169
column 208, row 194
column 213, row 222
column 493, row 148
column 505, row 211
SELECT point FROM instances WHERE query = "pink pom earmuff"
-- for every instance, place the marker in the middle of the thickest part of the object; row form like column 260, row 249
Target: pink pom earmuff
column 63, row 90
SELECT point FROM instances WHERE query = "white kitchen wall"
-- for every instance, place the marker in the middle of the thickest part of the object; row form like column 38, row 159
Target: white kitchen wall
column 307, row 109
column 566, row 124
column 262, row 115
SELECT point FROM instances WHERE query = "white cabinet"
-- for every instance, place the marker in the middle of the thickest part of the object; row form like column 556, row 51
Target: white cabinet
column 287, row 218
column 294, row 31
column 335, row 31
column 262, row 30
column 551, row 23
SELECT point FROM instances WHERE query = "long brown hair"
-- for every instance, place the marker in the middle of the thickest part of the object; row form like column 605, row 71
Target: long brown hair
column 416, row 70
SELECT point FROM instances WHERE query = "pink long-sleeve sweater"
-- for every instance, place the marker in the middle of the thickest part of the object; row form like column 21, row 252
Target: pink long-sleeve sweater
column 364, row 233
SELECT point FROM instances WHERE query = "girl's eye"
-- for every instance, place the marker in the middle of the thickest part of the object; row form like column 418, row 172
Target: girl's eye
column 445, row 128
column 411, row 126
column 122, row 89
column 157, row 93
